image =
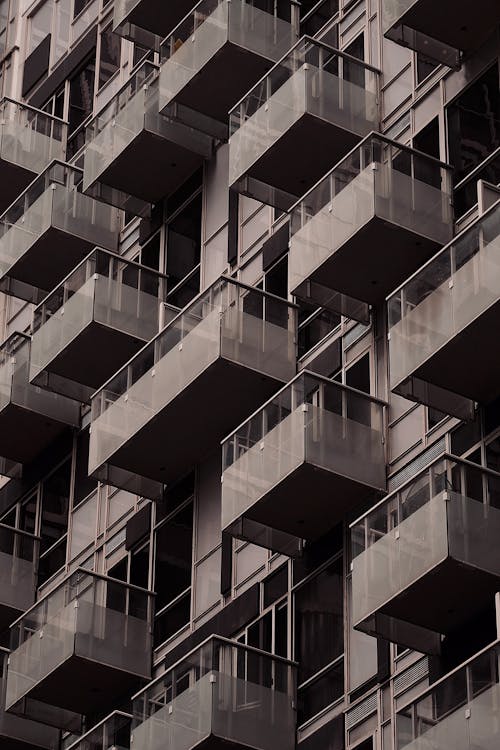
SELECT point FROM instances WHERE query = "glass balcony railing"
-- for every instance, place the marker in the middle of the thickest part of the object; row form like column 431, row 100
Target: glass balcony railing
column 437, row 533
column 26, row 409
column 112, row 733
column 48, row 230
column 29, row 140
column 440, row 31
column 230, row 339
column 132, row 17
column 442, row 315
column 16, row 732
column 18, row 569
column 218, row 51
column 383, row 196
column 222, row 692
column 122, row 137
column 89, row 630
column 307, row 113
column 93, row 322
column 304, row 442
column 462, row 710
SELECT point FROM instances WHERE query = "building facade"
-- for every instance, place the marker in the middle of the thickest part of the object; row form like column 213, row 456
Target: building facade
column 249, row 378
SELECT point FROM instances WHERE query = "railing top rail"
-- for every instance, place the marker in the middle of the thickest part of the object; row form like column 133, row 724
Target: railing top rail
column 314, row 376
column 444, row 456
column 222, row 279
column 306, row 39
column 85, row 574
column 444, row 249
column 373, row 136
column 206, row 641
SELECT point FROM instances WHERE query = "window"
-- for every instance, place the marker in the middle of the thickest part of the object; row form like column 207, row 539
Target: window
column 39, row 26
column 319, row 640
column 54, row 521
column 81, row 103
column 173, row 573
column 473, row 122
column 80, row 5
column 109, row 57
column 425, row 66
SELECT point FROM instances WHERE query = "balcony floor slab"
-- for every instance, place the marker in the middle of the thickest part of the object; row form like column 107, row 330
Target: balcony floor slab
column 225, row 79
column 455, row 365
column 386, row 252
column 468, row 29
column 195, row 421
column 85, row 686
column 168, row 166
column 92, row 357
column 436, row 600
column 309, row 501
column 302, row 155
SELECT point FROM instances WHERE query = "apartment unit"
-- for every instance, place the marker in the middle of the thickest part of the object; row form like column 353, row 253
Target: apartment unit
column 249, row 375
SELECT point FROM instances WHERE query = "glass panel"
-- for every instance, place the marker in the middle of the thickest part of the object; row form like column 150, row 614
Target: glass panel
column 243, row 696
column 308, row 80
column 371, row 181
column 444, row 297
column 95, row 618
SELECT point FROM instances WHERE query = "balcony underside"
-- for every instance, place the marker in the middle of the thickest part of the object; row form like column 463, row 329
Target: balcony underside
column 158, row 16
column 223, row 81
column 15, row 179
column 85, row 687
column 452, row 22
column 450, row 367
column 309, row 502
column 436, row 601
column 387, row 253
column 24, row 433
column 150, row 167
column 302, row 155
column 21, row 734
column 88, row 361
column 49, row 259
column 195, row 421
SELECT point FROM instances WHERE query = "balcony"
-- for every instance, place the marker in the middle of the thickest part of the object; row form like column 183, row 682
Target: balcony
column 26, row 410
column 88, row 631
column 384, row 208
column 307, row 113
column 122, row 138
column 113, row 733
column 462, row 710
column 232, row 339
column 29, row 140
column 18, row 568
column 93, row 322
column 21, row 734
column 303, row 443
column 444, row 314
column 440, row 31
column 50, row 228
column 221, row 695
column 219, row 51
column 133, row 17
column 430, row 541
